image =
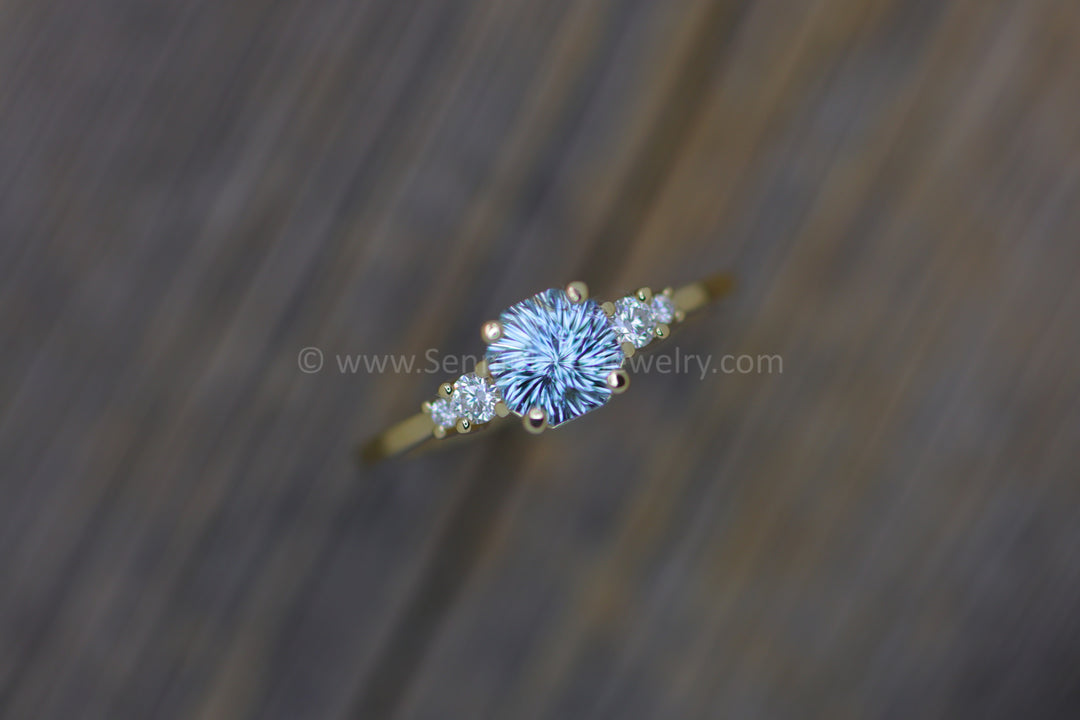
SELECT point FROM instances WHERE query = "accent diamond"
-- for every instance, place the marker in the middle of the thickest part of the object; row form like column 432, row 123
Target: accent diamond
column 555, row 355
column 478, row 397
column 444, row 412
column 663, row 308
column 633, row 321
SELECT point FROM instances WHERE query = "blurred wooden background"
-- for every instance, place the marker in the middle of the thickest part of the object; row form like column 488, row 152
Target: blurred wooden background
column 191, row 192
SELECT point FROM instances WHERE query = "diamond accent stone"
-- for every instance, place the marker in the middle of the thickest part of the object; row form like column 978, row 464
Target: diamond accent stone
column 555, row 355
column 663, row 308
column 444, row 412
column 477, row 397
column 633, row 321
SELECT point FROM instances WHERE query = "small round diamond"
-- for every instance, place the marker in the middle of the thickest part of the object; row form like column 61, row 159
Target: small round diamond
column 663, row 308
column 633, row 321
column 444, row 412
column 477, row 396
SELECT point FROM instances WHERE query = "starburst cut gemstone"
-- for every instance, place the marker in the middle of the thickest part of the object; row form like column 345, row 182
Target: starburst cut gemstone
column 633, row 321
column 477, row 397
column 555, row 355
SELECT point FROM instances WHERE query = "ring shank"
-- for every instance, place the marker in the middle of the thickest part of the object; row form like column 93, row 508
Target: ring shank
column 398, row 438
column 697, row 295
column 415, row 430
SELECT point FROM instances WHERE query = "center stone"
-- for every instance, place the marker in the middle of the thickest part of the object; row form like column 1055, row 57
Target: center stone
column 555, row 355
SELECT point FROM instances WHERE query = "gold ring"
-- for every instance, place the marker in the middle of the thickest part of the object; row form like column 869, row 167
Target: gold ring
column 550, row 358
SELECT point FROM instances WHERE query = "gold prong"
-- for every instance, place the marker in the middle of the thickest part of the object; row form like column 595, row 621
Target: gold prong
column 481, row 369
column 577, row 291
column 669, row 291
column 463, row 425
column 426, row 407
column 618, row 380
column 446, row 390
column 628, row 349
column 644, row 294
column 608, row 308
column 535, row 421
column 501, row 410
column 680, row 315
column 491, row 331
column 662, row 330
column 439, row 432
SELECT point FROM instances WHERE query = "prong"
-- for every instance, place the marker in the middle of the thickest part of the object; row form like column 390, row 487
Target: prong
column 662, row 330
column 669, row 292
column 501, row 410
column 628, row 349
column 618, row 380
column 439, row 432
column 446, row 390
column 608, row 308
column 535, row 421
column 644, row 294
column 463, row 425
column 680, row 315
column 426, row 407
column 577, row 291
column 491, row 331
column 481, row 369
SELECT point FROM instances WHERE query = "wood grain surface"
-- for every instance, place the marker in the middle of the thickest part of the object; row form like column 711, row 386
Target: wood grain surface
column 193, row 192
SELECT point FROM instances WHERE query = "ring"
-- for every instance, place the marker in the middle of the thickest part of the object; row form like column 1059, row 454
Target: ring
column 550, row 358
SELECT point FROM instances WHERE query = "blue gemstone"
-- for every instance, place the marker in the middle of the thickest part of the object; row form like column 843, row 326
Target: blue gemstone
column 556, row 355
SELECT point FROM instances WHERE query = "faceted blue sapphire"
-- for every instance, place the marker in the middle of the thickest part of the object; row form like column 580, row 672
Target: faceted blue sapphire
column 556, row 355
